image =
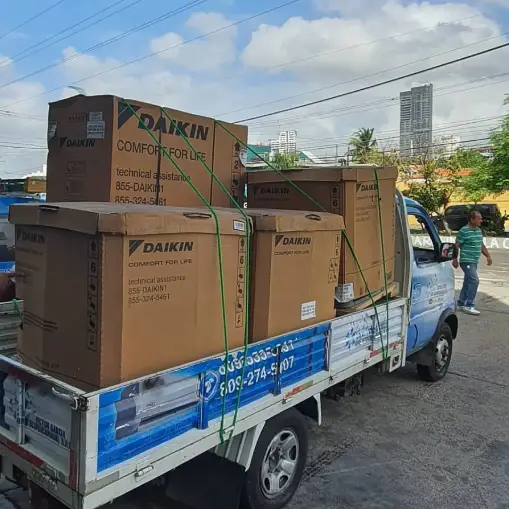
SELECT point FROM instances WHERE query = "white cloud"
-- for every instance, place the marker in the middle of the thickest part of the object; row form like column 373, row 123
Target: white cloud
column 498, row 3
column 22, row 131
column 207, row 54
column 348, row 7
column 210, row 76
column 349, row 57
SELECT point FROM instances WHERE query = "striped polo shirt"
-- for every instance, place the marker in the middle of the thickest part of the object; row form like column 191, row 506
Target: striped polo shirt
column 470, row 241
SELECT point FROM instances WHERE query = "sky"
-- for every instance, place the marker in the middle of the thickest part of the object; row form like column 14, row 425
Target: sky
column 234, row 60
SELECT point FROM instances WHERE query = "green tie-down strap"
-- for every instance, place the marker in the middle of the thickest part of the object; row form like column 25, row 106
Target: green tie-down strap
column 385, row 350
column 166, row 154
column 380, row 223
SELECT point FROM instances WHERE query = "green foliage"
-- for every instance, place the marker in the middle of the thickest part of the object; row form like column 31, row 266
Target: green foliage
column 499, row 165
column 363, row 144
column 380, row 158
column 434, row 192
column 284, row 161
column 465, row 159
column 471, row 187
column 492, row 177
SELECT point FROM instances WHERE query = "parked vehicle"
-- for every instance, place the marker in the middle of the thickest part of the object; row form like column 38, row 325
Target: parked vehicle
column 191, row 427
column 441, row 224
column 456, row 216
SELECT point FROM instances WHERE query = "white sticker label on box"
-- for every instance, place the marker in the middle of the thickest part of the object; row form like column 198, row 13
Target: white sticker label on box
column 344, row 293
column 95, row 129
column 243, row 156
column 95, row 116
column 239, row 226
column 52, row 129
column 308, row 310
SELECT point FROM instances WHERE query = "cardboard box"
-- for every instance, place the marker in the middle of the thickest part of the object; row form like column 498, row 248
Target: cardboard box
column 35, row 185
column 112, row 292
column 99, row 150
column 352, row 193
column 295, row 265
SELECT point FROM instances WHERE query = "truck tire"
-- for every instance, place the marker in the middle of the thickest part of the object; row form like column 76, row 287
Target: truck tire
column 443, row 354
column 278, row 462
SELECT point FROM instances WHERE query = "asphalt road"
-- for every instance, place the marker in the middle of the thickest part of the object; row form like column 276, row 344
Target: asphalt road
column 406, row 444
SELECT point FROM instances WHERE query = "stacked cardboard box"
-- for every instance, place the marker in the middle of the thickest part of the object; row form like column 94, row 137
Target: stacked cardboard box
column 112, row 292
column 103, row 148
column 294, row 270
column 352, row 193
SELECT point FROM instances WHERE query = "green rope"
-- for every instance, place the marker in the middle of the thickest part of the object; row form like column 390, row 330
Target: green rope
column 216, row 219
column 323, row 209
column 18, row 309
column 380, row 223
column 246, row 293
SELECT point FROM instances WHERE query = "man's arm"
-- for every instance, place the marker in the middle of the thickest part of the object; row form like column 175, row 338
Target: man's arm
column 459, row 241
column 455, row 263
column 486, row 253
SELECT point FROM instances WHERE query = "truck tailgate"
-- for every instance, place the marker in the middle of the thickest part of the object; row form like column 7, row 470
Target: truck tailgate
column 37, row 421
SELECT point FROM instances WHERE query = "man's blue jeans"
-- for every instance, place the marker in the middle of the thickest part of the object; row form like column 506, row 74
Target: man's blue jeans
column 470, row 285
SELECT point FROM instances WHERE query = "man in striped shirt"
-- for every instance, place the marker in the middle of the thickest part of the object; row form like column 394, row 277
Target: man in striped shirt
column 470, row 244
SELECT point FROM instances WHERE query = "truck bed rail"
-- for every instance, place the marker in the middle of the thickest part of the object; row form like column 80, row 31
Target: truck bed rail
column 10, row 320
column 87, row 449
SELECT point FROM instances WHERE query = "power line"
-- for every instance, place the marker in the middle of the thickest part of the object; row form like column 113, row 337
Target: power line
column 390, row 100
column 16, row 114
column 26, row 147
column 17, row 172
column 451, row 125
column 35, row 16
column 149, row 55
column 359, row 108
column 471, row 132
column 328, row 87
column 423, row 147
column 39, row 45
column 175, row 12
column 379, row 84
column 290, row 63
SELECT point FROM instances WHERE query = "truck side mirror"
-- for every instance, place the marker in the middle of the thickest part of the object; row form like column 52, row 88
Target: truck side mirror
column 448, row 252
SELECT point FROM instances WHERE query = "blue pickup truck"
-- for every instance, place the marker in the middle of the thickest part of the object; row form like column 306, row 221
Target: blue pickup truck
column 236, row 423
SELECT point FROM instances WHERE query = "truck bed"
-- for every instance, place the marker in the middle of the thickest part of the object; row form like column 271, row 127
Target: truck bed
column 87, row 449
column 10, row 320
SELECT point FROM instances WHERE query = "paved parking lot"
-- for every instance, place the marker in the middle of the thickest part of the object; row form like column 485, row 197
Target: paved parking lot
column 405, row 444
column 411, row 445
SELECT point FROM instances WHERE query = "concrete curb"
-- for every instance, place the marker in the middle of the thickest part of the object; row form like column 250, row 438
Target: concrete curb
column 489, row 242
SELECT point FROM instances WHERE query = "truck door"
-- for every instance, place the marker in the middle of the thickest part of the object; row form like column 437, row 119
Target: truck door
column 432, row 287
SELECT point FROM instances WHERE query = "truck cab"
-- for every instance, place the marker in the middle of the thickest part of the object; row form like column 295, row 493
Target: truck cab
column 433, row 323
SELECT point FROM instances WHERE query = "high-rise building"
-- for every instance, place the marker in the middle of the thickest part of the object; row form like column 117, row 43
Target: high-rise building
column 447, row 145
column 286, row 143
column 416, row 121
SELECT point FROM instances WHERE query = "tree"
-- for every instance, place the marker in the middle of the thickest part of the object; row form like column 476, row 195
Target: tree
column 363, row 143
column 284, row 161
column 493, row 176
column 497, row 177
column 472, row 187
column 435, row 190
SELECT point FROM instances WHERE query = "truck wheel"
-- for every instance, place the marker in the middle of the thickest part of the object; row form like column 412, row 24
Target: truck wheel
column 443, row 355
column 278, row 462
